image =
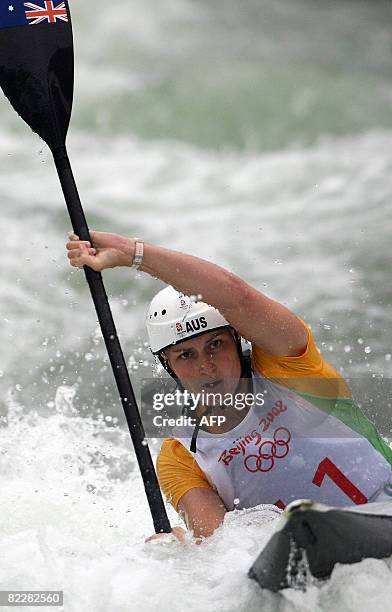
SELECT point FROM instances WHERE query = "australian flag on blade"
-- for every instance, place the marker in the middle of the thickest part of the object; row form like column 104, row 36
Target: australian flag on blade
column 19, row 13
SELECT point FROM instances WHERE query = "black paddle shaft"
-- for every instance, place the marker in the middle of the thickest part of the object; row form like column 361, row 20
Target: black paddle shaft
column 98, row 293
column 36, row 75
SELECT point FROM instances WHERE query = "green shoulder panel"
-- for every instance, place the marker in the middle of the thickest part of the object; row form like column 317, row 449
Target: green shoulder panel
column 349, row 413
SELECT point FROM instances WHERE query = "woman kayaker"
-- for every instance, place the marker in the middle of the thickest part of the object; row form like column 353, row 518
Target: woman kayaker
column 300, row 435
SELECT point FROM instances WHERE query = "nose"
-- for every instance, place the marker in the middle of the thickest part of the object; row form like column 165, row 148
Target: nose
column 207, row 366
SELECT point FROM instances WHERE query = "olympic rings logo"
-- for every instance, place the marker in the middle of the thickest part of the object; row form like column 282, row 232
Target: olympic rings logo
column 269, row 450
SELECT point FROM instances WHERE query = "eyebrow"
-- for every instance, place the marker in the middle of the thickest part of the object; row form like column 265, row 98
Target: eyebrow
column 183, row 349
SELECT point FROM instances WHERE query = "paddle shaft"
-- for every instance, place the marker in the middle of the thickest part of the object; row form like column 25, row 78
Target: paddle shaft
column 120, row 371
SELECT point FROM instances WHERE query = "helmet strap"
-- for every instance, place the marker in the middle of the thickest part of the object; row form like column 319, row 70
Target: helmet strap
column 165, row 363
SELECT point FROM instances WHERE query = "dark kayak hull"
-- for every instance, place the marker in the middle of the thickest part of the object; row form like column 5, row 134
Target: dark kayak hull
column 314, row 538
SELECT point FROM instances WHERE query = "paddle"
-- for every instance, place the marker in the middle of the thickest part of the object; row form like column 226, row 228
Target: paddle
column 36, row 75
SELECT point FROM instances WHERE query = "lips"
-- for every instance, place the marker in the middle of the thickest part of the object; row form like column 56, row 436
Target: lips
column 212, row 384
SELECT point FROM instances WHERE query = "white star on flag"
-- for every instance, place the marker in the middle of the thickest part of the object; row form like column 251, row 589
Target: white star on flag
column 10, row 8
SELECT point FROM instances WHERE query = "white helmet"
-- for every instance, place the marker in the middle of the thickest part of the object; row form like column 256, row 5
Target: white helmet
column 173, row 317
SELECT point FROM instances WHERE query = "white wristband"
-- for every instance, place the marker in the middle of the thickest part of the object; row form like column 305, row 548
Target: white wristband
column 138, row 254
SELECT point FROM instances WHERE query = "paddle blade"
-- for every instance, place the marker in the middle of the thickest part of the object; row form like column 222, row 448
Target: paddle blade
column 36, row 64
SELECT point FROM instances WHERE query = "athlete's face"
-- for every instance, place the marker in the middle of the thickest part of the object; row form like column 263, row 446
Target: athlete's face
column 209, row 362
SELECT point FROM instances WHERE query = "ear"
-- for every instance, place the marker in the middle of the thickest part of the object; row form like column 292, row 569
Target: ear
column 234, row 333
column 164, row 358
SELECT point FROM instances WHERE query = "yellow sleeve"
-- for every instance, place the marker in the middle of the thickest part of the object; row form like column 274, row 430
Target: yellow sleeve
column 307, row 373
column 178, row 471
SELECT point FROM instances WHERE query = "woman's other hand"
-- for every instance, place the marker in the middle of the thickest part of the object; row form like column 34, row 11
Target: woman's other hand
column 177, row 533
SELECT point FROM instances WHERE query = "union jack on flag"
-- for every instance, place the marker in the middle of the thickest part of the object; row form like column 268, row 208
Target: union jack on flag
column 49, row 12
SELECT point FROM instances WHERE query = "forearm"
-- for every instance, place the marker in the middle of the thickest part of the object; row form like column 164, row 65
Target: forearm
column 256, row 317
column 203, row 511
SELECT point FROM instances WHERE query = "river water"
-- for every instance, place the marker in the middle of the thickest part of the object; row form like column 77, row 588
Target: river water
column 257, row 135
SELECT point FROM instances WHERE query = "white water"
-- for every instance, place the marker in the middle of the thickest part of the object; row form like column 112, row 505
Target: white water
column 74, row 511
column 75, row 519
column 187, row 129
